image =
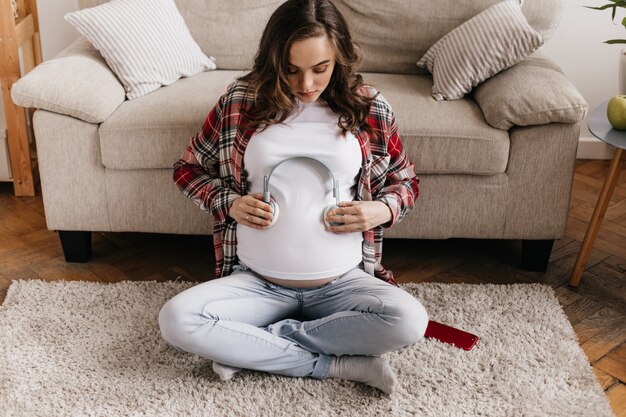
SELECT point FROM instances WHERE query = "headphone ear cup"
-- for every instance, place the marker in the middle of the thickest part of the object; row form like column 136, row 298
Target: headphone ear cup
column 326, row 210
column 275, row 210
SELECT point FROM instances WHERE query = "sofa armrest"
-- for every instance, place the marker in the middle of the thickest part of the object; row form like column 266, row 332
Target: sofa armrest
column 77, row 83
column 533, row 92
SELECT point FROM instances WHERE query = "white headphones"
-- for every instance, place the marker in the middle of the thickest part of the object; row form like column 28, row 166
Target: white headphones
column 274, row 205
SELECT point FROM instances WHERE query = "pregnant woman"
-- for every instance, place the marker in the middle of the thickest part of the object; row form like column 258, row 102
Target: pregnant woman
column 302, row 168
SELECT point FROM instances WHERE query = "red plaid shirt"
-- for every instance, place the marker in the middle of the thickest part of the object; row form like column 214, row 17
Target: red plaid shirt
column 211, row 173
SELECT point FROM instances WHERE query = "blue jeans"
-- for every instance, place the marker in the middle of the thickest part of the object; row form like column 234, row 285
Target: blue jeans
column 244, row 321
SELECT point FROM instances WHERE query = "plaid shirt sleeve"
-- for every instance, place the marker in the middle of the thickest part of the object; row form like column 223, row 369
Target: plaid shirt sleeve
column 401, row 185
column 196, row 173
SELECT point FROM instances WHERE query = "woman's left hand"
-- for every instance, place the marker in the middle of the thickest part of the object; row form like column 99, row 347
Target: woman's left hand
column 358, row 216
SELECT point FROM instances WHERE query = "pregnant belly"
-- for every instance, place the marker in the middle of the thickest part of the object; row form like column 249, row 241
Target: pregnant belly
column 293, row 283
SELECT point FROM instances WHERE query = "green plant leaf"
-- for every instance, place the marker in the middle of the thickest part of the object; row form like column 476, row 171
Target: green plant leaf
column 606, row 6
column 613, row 6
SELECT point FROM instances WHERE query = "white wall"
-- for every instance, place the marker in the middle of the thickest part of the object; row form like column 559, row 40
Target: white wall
column 55, row 32
column 576, row 46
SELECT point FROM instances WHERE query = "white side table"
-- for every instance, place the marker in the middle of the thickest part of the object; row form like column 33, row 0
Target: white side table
column 600, row 127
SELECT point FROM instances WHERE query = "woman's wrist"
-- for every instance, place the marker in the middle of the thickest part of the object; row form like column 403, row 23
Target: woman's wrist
column 230, row 209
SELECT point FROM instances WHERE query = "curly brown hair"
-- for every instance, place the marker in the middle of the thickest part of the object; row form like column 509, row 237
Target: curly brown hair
column 293, row 21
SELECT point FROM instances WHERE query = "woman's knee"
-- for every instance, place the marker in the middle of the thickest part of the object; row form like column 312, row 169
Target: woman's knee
column 409, row 318
column 169, row 321
column 175, row 320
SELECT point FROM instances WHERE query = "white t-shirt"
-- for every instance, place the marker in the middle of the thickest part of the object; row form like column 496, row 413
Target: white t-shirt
column 297, row 246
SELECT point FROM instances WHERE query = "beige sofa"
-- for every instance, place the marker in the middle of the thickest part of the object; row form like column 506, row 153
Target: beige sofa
column 497, row 164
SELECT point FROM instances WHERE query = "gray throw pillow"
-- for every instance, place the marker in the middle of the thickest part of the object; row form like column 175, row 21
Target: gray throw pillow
column 493, row 40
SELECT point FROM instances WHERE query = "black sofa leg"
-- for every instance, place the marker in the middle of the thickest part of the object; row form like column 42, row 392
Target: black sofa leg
column 536, row 254
column 76, row 245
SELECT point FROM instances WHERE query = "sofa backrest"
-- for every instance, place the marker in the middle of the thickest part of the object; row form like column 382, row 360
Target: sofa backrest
column 394, row 34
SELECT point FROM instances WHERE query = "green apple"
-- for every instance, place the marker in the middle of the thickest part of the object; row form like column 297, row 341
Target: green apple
column 616, row 112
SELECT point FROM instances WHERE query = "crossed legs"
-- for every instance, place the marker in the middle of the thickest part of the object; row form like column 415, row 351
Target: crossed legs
column 242, row 321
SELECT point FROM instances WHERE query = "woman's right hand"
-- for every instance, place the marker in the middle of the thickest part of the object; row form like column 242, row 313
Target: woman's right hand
column 251, row 210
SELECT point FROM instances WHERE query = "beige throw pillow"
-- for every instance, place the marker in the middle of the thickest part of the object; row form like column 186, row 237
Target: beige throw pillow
column 493, row 40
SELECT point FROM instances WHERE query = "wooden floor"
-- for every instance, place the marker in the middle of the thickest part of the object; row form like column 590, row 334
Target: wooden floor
column 596, row 309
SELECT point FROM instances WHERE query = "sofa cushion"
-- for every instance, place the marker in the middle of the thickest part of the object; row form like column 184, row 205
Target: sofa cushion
column 442, row 137
column 394, row 34
column 227, row 30
column 84, row 86
column 397, row 33
column 152, row 131
column 533, row 92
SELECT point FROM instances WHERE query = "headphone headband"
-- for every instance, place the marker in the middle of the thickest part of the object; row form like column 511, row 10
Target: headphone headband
column 266, row 178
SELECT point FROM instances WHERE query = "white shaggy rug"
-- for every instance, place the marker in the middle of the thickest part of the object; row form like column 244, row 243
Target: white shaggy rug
column 90, row 349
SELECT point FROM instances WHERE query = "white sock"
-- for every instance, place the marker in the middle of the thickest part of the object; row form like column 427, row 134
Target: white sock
column 370, row 370
column 224, row 371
